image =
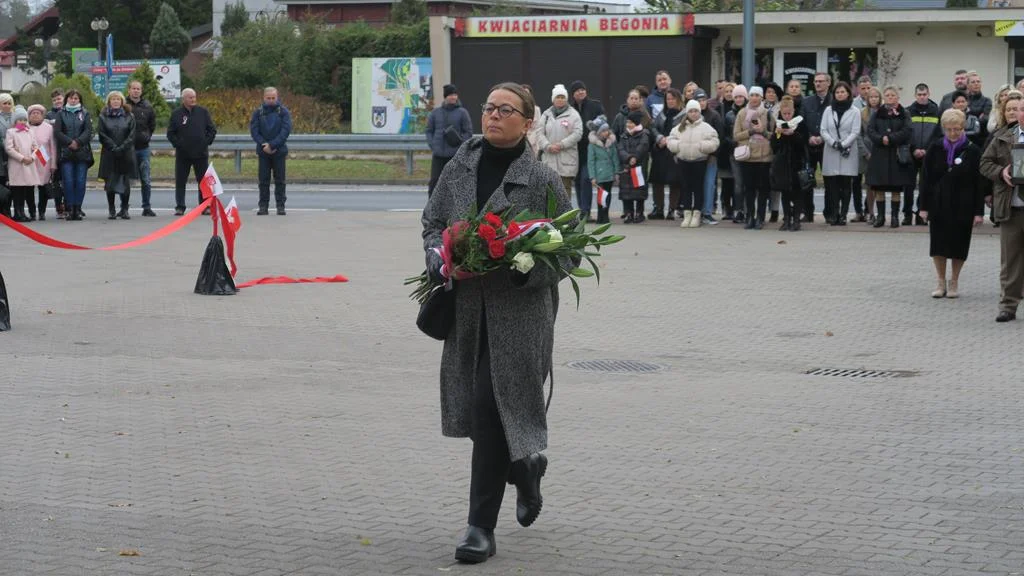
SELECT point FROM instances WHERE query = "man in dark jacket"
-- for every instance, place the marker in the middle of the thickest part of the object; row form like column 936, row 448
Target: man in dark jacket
column 656, row 99
column 811, row 109
column 924, row 130
column 190, row 131
column 979, row 106
column 270, row 126
column 145, row 125
column 715, row 120
column 959, row 85
column 588, row 110
column 448, row 126
column 54, row 189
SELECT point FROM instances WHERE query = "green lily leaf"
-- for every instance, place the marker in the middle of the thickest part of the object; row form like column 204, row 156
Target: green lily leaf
column 601, row 229
column 576, row 289
column 581, row 273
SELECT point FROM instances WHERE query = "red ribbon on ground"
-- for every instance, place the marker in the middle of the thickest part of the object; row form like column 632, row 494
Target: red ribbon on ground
column 45, row 240
column 289, row 280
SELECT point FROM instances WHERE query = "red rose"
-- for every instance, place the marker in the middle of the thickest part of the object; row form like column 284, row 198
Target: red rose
column 497, row 249
column 493, row 219
column 514, row 229
column 487, row 233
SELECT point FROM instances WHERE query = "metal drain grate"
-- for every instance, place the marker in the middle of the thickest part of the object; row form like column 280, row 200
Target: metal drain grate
column 851, row 373
column 617, row 366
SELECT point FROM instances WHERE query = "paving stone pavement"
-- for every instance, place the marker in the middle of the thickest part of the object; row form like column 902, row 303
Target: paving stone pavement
column 295, row 429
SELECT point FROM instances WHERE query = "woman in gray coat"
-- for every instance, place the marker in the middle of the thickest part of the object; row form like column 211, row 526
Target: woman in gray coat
column 498, row 352
column 840, row 131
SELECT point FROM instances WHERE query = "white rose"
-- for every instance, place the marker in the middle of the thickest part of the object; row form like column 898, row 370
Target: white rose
column 523, row 262
column 555, row 237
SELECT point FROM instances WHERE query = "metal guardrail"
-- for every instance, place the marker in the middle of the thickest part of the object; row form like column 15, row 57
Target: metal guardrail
column 238, row 143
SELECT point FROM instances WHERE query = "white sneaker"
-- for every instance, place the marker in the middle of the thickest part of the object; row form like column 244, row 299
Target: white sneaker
column 695, row 219
column 685, row 220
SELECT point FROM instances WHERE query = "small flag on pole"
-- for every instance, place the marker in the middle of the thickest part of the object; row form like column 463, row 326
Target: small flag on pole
column 210, row 184
column 43, row 156
column 603, row 197
column 636, row 174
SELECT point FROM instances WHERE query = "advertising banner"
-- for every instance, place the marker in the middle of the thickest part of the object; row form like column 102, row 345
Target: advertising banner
column 570, row 26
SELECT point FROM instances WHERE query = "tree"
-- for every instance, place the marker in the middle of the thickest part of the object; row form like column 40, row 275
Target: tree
column 168, row 39
column 130, row 21
column 151, row 90
column 13, row 15
column 737, row 5
column 235, row 18
column 501, row 8
column 409, row 12
column 961, row 3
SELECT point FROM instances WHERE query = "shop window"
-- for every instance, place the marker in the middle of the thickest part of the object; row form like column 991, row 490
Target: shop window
column 849, row 64
column 763, row 58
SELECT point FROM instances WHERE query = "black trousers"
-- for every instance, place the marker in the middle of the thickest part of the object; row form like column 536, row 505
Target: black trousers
column 602, row 211
column 21, row 194
column 756, row 187
column 793, row 198
column 838, row 197
column 728, row 189
column 814, row 159
column 908, row 192
column 692, row 176
column 491, row 464
column 437, row 164
column 858, row 193
column 182, row 166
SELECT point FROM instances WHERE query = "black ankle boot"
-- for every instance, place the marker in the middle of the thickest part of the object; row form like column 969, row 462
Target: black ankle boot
column 123, row 213
column 110, row 207
column 526, row 474
column 476, row 546
column 895, row 220
column 879, row 214
column 774, row 217
column 795, row 226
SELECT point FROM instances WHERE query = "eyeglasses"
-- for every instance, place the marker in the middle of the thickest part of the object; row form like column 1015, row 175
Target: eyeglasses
column 505, row 110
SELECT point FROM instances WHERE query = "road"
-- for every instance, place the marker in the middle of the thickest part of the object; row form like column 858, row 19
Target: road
column 360, row 198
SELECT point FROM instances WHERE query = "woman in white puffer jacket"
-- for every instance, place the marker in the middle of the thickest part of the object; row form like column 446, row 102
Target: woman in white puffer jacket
column 693, row 142
column 561, row 129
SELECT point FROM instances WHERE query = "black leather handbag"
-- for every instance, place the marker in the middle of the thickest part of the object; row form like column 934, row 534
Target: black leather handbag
column 437, row 315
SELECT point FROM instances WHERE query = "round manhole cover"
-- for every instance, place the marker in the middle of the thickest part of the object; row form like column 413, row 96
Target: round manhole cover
column 617, row 366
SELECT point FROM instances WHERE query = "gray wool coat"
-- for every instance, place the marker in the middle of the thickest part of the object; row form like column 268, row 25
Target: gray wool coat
column 520, row 309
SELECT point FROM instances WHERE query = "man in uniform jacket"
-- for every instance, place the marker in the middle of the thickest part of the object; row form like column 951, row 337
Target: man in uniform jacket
column 270, row 126
column 811, row 109
column 145, row 125
column 448, row 126
column 190, row 131
column 924, row 130
column 588, row 110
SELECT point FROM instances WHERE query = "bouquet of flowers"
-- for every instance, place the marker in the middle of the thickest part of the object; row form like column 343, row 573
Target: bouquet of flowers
column 481, row 244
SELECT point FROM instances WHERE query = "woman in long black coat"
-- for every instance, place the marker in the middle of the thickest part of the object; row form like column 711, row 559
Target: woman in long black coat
column 889, row 129
column 664, row 171
column 952, row 199
column 117, row 158
column 789, row 149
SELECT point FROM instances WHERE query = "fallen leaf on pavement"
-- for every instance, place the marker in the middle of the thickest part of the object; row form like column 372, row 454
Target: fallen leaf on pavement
column 827, row 334
column 129, row 552
column 365, row 542
column 120, row 504
column 781, row 242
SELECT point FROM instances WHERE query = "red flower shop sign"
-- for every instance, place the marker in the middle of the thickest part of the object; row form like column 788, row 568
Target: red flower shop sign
column 578, row 26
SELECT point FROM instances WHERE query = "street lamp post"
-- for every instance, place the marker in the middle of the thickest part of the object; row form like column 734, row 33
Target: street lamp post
column 99, row 26
column 46, row 44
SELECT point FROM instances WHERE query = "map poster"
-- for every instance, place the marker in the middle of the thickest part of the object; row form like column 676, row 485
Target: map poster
column 391, row 95
column 168, row 75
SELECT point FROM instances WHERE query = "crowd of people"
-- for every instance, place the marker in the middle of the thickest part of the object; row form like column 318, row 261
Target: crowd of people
column 46, row 154
column 749, row 153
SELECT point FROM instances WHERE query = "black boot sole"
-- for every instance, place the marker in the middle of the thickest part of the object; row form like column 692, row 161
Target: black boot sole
column 530, row 516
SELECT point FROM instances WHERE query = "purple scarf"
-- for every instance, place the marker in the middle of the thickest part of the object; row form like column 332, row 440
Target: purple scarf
column 952, row 147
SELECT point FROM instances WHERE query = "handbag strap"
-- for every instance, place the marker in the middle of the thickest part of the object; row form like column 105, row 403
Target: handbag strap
column 551, row 387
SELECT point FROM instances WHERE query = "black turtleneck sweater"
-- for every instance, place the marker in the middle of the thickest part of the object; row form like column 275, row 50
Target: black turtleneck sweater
column 494, row 163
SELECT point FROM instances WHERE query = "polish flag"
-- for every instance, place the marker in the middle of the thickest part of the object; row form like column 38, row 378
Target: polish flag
column 210, row 184
column 43, row 156
column 232, row 218
column 636, row 174
column 603, row 197
column 232, row 221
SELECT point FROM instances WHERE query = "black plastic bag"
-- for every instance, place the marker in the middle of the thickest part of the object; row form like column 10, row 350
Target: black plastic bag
column 214, row 278
column 5, row 310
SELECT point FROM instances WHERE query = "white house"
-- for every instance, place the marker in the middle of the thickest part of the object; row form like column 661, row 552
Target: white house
column 897, row 47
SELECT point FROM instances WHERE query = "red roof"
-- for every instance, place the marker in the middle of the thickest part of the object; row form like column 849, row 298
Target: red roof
column 49, row 20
